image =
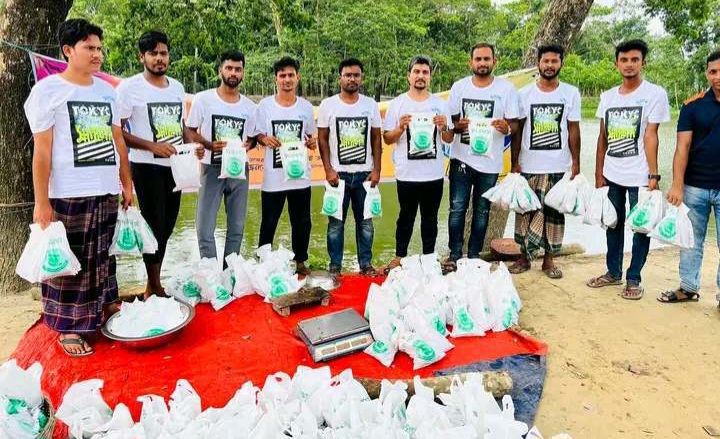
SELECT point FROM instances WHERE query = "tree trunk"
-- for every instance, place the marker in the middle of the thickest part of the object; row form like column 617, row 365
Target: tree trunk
column 560, row 24
column 31, row 23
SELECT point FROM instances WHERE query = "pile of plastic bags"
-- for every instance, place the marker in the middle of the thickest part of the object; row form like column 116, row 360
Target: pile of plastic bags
column 412, row 309
column 310, row 405
column 133, row 235
column 569, row 196
column 513, row 193
column 47, row 254
column 270, row 276
column 154, row 316
column 21, row 401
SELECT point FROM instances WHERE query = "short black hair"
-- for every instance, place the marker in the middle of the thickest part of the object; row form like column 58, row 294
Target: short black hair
column 713, row 57
column 232, row 55
column 284, row 62
column 479, row 45
column 551, row 48
column 350, row 62
column 420, row 60
column 76, row 29
column 150, row 39
column 627, row 46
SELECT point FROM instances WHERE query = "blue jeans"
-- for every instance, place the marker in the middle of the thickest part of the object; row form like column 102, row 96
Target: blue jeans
column 355, row 193
column 699, row 201
column 464, row 182
column 616, row 237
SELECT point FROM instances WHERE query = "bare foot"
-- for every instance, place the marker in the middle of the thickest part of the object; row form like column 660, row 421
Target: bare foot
column 74, row 345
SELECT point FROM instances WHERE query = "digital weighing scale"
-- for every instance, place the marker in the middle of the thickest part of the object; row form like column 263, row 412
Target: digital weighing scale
column 334, row 335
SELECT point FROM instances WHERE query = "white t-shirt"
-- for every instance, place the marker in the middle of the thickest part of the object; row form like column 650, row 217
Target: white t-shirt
column 545, row 147
column 154, row 113
column 350, row 124
column 499, row 100
column 219, row 120
column 421, row 166
column 84, row 159
column 626, row 118
column 290, row 124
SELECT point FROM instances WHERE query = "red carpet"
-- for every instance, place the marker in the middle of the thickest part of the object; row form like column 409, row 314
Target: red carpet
column 219, row 351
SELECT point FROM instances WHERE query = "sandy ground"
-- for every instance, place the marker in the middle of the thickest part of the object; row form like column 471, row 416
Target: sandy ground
column 616, row 368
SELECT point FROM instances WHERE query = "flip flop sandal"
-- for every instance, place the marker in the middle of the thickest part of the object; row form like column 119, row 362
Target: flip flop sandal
column 626, row 294
column 553, row 273
column 369, row 271
column 449, row 266
column 517, row 268
column 303, row 271
column 603, row 281
column 75, row 342
column 672, row 297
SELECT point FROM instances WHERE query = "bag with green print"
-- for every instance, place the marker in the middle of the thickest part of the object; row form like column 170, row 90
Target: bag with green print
column 234, row 157
column 464, row 323
column 241, row 274
column 383, row 325
column 212, row 286
column 647, row 212
column 373, row 201
column 423, row 350
column 47, row 254
column 422, row 130
column 133, row 235
column 675, row 228
column 481, row 134
column 333, row 200
column 294, row 159
column 503, row 299
column 186, row 288
column 273, row 276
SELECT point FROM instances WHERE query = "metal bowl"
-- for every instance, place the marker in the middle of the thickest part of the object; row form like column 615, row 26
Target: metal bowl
column 321, row 279
column 151, row 341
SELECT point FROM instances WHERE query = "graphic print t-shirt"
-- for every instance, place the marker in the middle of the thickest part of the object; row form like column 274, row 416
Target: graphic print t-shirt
column 218, row 120
column 497, row 101
column 154, row 114
column 423, row 166
column 289, row 124
column 626, row 118
column 350, row 126
column 84, row 158
column 545, row 147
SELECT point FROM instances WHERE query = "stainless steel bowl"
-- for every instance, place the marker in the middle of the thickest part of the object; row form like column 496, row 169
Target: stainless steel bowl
column 151, row 341
column 321, row 279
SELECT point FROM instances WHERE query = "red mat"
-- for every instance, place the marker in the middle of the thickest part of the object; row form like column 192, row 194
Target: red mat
column 246, row 340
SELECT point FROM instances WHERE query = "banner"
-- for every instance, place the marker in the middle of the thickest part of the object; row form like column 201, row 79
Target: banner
column 44, row 66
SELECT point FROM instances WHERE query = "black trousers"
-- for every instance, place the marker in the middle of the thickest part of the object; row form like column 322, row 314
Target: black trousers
column 426, row 195
column 298, row 201
column 158, row 203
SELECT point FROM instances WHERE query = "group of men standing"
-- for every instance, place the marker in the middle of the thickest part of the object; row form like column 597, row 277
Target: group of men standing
column 77, row 181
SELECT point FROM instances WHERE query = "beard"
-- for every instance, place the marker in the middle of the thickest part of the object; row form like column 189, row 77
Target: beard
column 483, row 71
column 350, row 88
column 552, row 75
column 230, row 82
column 156, row 70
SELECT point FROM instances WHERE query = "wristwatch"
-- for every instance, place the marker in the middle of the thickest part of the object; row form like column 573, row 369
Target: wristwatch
column 655, row 177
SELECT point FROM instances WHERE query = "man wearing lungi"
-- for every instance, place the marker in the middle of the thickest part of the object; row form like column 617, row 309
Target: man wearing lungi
column 80, row 164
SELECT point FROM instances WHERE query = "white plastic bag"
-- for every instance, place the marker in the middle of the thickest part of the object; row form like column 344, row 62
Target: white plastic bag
column 481, row 134
column 648, row 211
column 234, row 157
column 569, row 196
column 333, row 200
column 212, row 287
column 294, row 159
column 153, row 316
column 185, row 287
column 133, row 235
column 422, row 130
column 373, row 202
column 422, row 350
column 513, row 193
column 47, row 254
column 675, row 228
column 185, row 169
column 503, row 299
column 84, row 410
column 242, row 270
column 600, row 210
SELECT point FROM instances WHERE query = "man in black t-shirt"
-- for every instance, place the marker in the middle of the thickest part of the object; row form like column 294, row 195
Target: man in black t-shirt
column 696, row 180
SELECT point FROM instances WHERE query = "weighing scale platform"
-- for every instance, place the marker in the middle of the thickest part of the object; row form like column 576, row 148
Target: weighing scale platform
column 336, row 334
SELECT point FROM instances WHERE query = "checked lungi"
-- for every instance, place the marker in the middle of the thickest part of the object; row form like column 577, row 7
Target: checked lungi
column 74, row 304
column 544, row 228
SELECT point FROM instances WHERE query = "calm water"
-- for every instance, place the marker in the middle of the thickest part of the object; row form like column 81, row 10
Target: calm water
column 183, row 251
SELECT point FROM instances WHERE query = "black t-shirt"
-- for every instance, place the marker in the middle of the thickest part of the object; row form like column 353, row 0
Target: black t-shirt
column 702, row 117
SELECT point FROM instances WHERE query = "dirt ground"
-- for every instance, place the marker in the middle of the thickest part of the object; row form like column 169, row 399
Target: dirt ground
column 617, row 369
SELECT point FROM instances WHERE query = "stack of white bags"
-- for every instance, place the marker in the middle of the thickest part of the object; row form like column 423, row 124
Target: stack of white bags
column 411, row 310
column 270, row 276
column 21, row 414
column 310, row 405
column 513, row 193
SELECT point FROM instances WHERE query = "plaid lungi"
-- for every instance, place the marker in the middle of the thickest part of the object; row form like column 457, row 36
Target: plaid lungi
column 544, row 228
column 74, row 304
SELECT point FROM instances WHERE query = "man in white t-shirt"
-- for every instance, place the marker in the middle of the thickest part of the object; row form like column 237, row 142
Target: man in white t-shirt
column 284, row 118
column 151, row 109
column 418, row 123
column 484, row 110
column 80, row 164
column 218, row 115
column 349, row 137
column 627, row 150
column 548, row 147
